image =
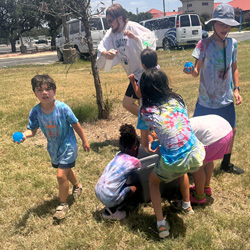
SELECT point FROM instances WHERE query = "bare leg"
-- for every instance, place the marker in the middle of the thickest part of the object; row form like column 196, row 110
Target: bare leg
column 155, row 195
column 208, row 168
column 184, row 187
column 72, row 178
column 199, row 180
column 63, row 184
column 129, row 104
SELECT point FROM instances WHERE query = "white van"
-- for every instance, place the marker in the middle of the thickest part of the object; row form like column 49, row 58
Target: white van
column 176, row 30
column 98, row 27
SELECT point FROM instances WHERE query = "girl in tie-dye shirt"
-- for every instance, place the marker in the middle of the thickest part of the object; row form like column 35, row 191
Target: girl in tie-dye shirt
column 111, row 189
column 165, row 112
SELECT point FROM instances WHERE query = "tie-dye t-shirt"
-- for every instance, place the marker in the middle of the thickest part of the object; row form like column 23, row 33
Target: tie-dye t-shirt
column 111, row 189
column 214, row 91
column 180, row 149
column 56, row 126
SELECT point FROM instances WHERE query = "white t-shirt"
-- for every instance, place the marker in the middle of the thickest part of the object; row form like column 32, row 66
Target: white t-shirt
column 129, row 50
column 210, row 128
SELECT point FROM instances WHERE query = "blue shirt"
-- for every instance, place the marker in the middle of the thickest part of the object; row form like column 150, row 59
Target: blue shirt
column 56, row 126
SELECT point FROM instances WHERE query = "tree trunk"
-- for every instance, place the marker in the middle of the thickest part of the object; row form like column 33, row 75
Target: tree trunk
column 13, row 45
column 103, row 113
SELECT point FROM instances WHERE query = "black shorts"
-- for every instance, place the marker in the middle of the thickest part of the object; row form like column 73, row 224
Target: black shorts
column 64, row 166
column 130, row 92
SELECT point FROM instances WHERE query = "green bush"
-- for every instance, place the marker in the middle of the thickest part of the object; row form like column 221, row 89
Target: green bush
column 86, row 112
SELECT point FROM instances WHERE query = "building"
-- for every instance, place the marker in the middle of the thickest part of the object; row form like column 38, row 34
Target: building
column 204, row 8
column 157, row 13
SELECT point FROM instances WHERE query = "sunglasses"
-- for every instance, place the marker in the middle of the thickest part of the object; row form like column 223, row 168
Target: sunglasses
column 110, row 21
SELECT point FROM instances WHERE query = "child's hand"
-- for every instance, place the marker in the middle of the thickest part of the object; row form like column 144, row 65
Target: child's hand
column 129, row 34
column 238, row 97
column 86, row 146
column 188, row 68
column 131, row 77
column 21, row 141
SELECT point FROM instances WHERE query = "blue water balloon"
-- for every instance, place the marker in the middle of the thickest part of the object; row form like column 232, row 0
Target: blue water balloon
column 17, row 136
column 188, row 66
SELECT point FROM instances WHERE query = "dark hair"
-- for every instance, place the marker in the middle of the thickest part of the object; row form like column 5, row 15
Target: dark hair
column 149, row 58
column 39, row 80
column 116, row 10
column 128, row 140
column 155, row 89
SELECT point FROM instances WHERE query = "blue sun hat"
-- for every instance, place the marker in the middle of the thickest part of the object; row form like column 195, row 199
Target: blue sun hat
column 224, row 13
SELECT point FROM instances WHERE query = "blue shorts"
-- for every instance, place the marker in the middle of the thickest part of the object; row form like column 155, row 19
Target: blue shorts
column 228, row 112
column 64, row 166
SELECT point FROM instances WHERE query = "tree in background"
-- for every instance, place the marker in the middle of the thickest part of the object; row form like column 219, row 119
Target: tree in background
column 81, row 8
column 17, row 17
column 50, row 10
column 140, row 17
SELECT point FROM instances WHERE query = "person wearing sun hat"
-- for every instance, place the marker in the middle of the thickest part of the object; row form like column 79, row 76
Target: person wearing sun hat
column 216, row 63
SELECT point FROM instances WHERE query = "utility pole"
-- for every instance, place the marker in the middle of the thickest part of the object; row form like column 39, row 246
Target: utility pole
column 164, row 7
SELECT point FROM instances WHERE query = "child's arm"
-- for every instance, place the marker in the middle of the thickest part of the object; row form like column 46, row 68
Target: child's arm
column 27, row 134
column 146, row 141
column 235, row 72
column 77, row 127
column 135, row 86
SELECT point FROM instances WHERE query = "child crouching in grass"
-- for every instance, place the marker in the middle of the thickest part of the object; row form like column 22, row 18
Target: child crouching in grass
column 57, row 122
column 111, row 188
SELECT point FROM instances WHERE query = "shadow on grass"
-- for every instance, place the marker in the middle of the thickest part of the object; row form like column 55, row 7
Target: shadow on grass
column 48, row 207
column 138, row 220
column 95, row 146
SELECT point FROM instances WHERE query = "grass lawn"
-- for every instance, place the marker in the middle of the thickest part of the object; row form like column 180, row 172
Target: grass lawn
column 29, row 193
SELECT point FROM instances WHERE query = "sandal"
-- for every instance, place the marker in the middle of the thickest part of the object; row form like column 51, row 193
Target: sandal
column 163, row 230
column 177, row 205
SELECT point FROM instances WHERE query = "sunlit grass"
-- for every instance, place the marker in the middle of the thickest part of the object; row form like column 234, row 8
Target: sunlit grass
column 29, row 195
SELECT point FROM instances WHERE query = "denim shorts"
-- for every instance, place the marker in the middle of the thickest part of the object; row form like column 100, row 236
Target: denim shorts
column 64, row 166
column 228, row 112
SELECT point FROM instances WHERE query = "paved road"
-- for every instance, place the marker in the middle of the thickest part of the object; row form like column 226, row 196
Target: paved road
column 40, row 58
column 240, row 36
column 51, row 57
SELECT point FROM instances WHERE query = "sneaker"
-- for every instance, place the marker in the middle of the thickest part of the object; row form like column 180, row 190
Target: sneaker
column 177, row 205
column 207, row 190
column 163, row 230
column 77, row 191
column 61, row 211
column 117, row 215
column 195, row 201
column 231, row 168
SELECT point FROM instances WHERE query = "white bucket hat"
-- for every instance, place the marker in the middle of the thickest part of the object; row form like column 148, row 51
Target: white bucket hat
column 224, row 13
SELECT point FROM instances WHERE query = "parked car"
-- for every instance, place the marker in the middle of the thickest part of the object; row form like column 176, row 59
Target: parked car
column 40, row 41
column 176, row 30
column 98, row 26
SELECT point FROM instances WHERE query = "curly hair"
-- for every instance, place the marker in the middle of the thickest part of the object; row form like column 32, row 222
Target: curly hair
column 128, row 138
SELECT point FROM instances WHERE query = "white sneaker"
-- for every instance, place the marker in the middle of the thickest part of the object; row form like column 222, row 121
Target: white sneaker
column 77, row 191
column 61, row 211
column 117, row 215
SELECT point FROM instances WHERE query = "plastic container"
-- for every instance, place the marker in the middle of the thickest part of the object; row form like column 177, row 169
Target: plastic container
column 140, row 178
column 109, row 63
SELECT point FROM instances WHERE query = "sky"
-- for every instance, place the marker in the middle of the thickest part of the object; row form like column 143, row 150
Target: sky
column 146, row 5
